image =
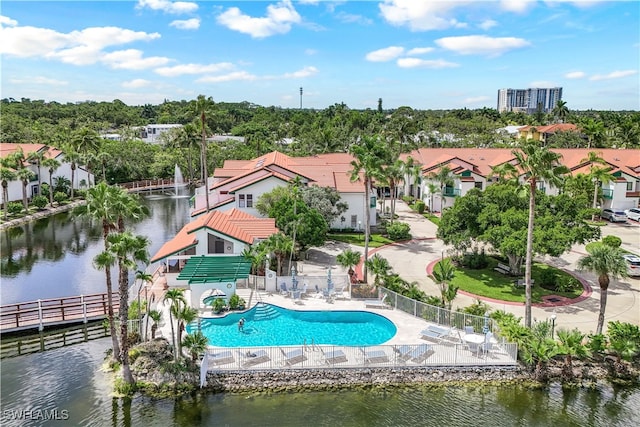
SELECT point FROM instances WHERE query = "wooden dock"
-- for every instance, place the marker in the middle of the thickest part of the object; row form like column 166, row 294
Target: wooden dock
column 148, row 185
column 57, row 311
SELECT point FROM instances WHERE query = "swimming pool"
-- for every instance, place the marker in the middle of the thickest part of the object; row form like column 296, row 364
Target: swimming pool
column 270, row 325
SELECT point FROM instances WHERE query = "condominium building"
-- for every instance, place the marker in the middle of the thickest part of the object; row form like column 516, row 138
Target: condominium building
column 528, row 100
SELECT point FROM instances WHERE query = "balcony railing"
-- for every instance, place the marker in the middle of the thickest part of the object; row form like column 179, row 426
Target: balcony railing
column 451, row 192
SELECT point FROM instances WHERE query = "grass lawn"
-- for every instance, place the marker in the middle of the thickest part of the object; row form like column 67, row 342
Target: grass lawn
column 431, row 217
column 491, row 284
column 375, row 241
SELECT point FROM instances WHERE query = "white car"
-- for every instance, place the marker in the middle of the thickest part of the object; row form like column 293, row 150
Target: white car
column 613, row 215
column 633, row 214
column 633, row 264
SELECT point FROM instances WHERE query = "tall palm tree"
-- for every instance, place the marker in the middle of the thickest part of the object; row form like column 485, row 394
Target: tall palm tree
column 433, row 190
column 606, row 262
column 202, row 107
column 51, row 164
column 369, row 155
column 129, row 251
column 85, row 142
column 598, row 175
column 184, row 316
column 25, row 175
column 571, row 345
column 444, row 177
column 561, row 111
column 280, row 245
column 537, row 164
column 104, row 261
column 594, row 130
column 144, row 278
column 379, row 267
column 6, row 175
column 72, row 157
column 394, row 174
column 175, row 298
column 37, row 157
column 156, row 316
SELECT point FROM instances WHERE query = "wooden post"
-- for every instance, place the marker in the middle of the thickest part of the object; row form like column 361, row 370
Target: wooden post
column 84, row 309
column 40, row 326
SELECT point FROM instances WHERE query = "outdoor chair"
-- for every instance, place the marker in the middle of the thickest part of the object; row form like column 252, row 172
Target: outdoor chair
column 222, row 358
column 332, row 357
column 374, row 356
column 293, row 356
column 255, row 358
column 379, row 303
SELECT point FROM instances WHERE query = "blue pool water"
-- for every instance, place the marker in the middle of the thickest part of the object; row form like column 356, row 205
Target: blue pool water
column 269, row 325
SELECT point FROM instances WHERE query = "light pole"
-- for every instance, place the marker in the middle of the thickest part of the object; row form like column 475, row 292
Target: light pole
column 553, row 325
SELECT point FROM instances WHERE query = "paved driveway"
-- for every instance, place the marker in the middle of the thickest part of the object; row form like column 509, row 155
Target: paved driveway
column 411, row 259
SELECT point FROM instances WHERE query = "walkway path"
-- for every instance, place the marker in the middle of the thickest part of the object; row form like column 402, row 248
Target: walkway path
column 411, row 259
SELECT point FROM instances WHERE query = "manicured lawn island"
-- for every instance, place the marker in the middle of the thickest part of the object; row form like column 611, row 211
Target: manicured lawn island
column 488, row 282
column 375, row 240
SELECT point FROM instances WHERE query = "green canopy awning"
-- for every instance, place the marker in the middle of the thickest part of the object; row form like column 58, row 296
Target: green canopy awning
column 214, row 269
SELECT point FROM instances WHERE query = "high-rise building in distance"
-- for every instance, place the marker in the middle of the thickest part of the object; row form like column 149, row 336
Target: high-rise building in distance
column 529, row 100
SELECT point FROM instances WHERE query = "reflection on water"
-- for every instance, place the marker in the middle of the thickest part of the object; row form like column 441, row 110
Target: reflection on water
column 70, row 379
column 52, row 257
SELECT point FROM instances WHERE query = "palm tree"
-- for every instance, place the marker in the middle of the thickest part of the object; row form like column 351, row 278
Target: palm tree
column 280, row 245
column 72, row 157
column 433, row 190
column 156, row 316
column 394, row 174
column 196, row 343
column 412, row 171
column 184, row 316
column 505, row 172
column 202, row 107
column 51, row 164
column 594, row 130
column 37, row 157
column 598, row 175
column 369, row 154
column 144, row 277
column 349, row 259
column 443, row 274
column 104, row 261
column 379, row 267
column 175, row 297
column 444, row 177
column 6, row 175
column 539, row 351
column 571, row 346
column 25, row 175
column 538, row 164
column 85, row 142
column 129, row 250
column 606, row 262
column 561, row 111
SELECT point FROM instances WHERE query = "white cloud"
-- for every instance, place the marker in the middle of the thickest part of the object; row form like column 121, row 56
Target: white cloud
column 305, row 72
column 136, row 83
column 236, row 75
column 421, row 15
column 167, row 6
column 182, row 69
column 613, row 75
column 386, row 54
column 420, row 50
column 575, row 75
column 488, row 24
column 278, row 20
column 188, row 24
column 5, row 20
column 481, row 45
column 40, row 81
column 476, row 99
column 423, row 63
column 518, row 6
column 131, row 59
column 348, row 18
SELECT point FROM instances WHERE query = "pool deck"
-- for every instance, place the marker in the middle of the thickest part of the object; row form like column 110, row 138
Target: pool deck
column 405, row 349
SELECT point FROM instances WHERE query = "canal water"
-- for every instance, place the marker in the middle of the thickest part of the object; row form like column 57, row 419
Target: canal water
column 53, row 258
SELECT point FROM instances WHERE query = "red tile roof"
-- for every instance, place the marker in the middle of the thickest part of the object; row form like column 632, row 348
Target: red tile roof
column 7, row 148
column 233, row 223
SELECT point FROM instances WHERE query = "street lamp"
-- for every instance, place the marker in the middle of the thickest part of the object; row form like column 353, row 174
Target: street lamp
column 553, row 325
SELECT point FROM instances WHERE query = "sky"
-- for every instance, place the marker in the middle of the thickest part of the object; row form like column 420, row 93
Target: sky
column 417, row 53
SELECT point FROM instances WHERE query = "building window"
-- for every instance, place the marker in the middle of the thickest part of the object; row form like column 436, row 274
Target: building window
column 354, row 221
column 629, row 186
column 245, row 200
column 478, row 184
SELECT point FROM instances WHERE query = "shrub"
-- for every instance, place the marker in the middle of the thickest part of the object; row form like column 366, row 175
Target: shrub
column 399, row 231
column 235, row 302
column 14, row 208
column 613, row 241
column 60, row 197
column 566, row 284
column 420, row 206
column 478, row 308
column 218, row 305
column 475, row 260
column 39, row 202
column 407, row 199
column 547, row 278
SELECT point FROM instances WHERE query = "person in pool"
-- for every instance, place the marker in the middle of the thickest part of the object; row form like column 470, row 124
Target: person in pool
column 241, row 325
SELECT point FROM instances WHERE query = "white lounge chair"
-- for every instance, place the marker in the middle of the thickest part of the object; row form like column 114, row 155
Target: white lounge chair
column 415, row 353
column 222, row 358
column 379, row 303
column 374, row 356
column 332, row 357
column 293, row 356
column 255, row 358
column 435, row 333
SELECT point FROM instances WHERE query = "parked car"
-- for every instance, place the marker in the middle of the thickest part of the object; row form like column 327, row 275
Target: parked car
column 613, row 215
column 633, row 264
column 633, row 214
